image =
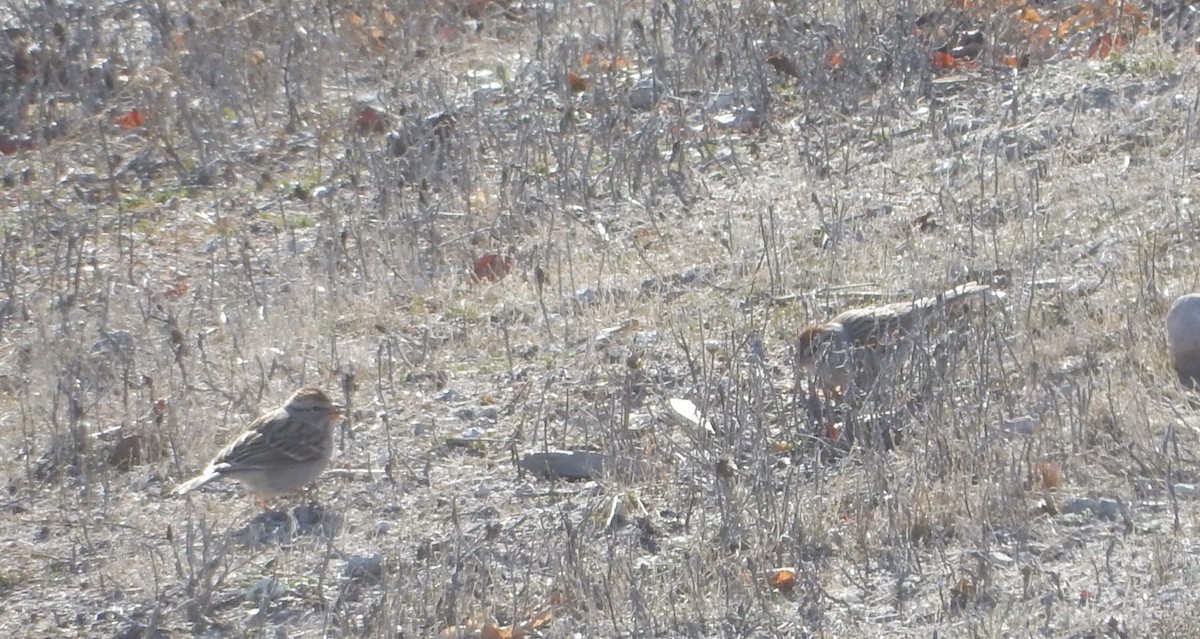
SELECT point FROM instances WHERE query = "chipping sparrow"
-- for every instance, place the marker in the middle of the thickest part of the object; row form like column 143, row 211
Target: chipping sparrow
column 281, row 452
column 861, row 344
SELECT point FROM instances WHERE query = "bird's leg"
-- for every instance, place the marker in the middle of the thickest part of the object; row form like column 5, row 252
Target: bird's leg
column 263, row 503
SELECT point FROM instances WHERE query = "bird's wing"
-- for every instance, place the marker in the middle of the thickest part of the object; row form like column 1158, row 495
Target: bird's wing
column 881, row 324
column 953, row 297
column 877, row 325
column 271, row 441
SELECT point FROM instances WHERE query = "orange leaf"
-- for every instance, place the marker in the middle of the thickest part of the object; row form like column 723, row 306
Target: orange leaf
column 130, row 121
column 578, row 83
column 527, row 627
column 1134, row 11
column 604, row 64
column 1101, row 47
column 489, row 631
column 964, row 588
column 1089, row 17
column 1105, row 45
column 1017, row 62
column 833, row 60
column 1048, row 475
column 617, row 63
column 177, row 291
column 783, row 579
column 1040, row 37
column 377, row 36
column 1029, row 14
column 1065, row 29
column 492, row 267
column 541, row 620
column 943, row 60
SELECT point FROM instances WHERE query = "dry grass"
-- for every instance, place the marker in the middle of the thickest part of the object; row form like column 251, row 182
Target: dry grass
column 163, row 281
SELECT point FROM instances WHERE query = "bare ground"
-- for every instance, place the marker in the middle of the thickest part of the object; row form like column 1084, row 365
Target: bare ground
column 166, row 280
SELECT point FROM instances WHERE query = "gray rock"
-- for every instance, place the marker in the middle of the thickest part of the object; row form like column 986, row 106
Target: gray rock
column 645, row 94
column 1183, row 337
column 1108, row 509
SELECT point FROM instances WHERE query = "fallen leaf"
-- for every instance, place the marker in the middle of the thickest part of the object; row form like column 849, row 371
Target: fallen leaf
column 1047, row 475
column 178, row 290
column 1040, row 38
column 1016, row 62
column 783, row 579
column 492, row 268
column 578, row 83
column 131, row 120
column 1105, row 45
column 616, row 62
column 962, row 592
column 943, row 60
column 1066, row 28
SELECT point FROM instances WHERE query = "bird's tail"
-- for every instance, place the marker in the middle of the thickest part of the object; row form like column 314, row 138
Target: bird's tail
column 195, row 482
column 958, row 295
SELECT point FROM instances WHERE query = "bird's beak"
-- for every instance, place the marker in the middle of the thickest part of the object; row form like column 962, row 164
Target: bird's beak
column 337, row 409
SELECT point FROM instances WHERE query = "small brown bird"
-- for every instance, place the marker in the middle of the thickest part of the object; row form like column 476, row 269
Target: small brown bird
column 859, row 345
column 281, row 452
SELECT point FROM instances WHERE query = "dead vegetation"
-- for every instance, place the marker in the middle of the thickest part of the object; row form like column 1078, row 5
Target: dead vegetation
column 497, row 231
